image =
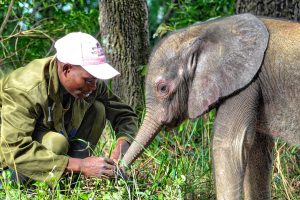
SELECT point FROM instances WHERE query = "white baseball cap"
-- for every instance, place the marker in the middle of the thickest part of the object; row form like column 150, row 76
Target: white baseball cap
column 83, row 49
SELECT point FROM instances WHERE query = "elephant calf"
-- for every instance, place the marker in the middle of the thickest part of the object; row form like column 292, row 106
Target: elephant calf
column 246, row 67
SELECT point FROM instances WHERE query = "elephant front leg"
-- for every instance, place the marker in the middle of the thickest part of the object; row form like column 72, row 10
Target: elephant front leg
column 234, row 133
column 259, row 167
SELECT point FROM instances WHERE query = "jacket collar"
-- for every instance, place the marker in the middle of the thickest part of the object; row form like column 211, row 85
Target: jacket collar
column 53, row 84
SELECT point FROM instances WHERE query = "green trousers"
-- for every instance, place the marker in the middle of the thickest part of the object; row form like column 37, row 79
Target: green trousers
column 85, row 139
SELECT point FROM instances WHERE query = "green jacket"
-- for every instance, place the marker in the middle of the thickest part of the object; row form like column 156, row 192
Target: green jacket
column 24, row 106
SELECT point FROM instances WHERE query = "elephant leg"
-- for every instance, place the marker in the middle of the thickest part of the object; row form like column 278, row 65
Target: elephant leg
column 234, row 134
column 259, row 168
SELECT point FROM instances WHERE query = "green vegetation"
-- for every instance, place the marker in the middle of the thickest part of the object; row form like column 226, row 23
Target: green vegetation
column 178, row 164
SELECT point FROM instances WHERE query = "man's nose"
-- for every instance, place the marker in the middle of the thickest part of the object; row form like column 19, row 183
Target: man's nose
column 94, row 86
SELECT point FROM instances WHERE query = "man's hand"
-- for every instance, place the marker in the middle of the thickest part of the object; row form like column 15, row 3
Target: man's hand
column 92, row 166
column 119, row 151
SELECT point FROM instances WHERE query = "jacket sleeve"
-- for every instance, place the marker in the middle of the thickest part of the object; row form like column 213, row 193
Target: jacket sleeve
column 121, row 116
column 18, row 150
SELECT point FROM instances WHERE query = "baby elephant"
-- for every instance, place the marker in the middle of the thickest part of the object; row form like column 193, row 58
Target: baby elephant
column 246, row 67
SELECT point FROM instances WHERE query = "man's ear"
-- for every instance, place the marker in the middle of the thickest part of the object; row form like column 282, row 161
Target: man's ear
column 66, row 68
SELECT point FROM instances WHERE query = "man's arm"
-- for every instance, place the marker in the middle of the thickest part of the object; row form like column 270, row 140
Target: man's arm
column 122, row 118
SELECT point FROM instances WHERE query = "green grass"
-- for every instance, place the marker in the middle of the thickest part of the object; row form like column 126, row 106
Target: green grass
column 177, row 165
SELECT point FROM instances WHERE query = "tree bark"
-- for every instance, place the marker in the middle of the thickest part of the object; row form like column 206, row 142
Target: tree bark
column 287, row 9
column 125, row 38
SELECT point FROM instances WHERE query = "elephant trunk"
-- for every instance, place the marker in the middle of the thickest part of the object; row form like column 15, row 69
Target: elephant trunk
column 149, row 129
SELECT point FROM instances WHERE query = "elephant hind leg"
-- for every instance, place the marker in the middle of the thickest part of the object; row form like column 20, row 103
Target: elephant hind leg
column 259, row 168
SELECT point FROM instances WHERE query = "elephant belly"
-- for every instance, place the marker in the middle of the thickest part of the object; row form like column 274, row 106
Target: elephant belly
column 279, row 79
column 280, row 120
column 279, row 110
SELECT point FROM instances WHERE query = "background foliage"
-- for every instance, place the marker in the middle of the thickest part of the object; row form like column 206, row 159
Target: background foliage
column 178, row 164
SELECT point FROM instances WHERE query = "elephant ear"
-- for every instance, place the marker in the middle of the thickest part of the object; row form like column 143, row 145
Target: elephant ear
column 225, row 58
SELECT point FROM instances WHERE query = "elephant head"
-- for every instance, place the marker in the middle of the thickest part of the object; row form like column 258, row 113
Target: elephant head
column 192, row 69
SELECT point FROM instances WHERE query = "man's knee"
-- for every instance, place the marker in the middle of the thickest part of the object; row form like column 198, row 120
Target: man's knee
column 56, row 142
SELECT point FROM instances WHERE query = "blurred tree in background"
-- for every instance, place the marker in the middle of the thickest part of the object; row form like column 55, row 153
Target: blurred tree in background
column 276, row 8
column 125, row 38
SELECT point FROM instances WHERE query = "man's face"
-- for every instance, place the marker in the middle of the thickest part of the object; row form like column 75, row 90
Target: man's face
column 78, row 82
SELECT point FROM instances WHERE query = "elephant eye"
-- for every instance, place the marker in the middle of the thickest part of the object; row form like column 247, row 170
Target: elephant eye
column 163, row 88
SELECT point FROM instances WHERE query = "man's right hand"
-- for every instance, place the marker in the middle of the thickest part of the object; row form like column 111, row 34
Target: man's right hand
column 92, row 166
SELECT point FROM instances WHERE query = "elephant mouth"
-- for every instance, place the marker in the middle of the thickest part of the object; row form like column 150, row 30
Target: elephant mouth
column 175, row 122
column 175, row 113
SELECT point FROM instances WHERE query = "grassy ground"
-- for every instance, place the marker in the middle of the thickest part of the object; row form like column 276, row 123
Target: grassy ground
column 178, row 165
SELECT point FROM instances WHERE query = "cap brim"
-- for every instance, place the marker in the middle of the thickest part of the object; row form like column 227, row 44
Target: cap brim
column 103, row 71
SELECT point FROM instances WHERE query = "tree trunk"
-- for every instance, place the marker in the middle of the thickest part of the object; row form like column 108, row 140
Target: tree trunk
column 124, row 36
column 287, row 9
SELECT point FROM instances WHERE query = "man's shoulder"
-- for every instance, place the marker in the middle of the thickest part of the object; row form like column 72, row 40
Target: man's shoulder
column 28, row 77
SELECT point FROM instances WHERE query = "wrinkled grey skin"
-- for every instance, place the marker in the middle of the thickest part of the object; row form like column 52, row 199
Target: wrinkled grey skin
column 249, row 69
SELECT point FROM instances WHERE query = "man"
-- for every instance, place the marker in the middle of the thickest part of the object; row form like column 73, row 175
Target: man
column 53, row 112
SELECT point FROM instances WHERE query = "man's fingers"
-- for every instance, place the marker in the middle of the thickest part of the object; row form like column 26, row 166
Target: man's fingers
column 108, row 167
column 106, row 160
column 99, row 166
column 108, row 173
column 109, row 161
